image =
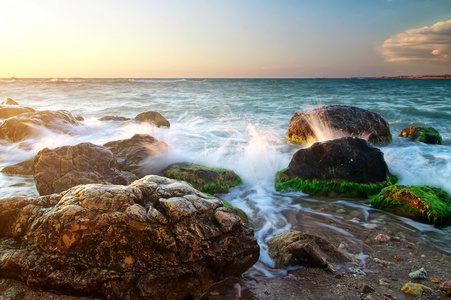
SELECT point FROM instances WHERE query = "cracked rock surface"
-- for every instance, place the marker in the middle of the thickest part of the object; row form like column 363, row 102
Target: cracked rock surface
column 156, row 238
column 56, row 170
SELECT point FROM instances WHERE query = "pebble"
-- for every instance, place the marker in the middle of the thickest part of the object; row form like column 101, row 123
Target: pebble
column 382, row 238
column 341, row 211
column 446, row 287
column 415, row 289
column 365, row 288
column 355, row 220
column 370, row 226
column 398, row 257
column 384, row 282
column 380, row 261
column 418, row 274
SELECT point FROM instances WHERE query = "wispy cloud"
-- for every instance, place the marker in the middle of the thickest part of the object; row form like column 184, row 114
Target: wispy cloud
column 421, row 44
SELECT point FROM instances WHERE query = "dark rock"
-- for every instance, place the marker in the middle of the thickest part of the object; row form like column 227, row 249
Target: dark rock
column 209, row 180
column 22, row 168
column 25, row 125
column 135, row 154
column 9, row 101
column 153, row 118
column 79, row 118
column 365, row 288
column 295, row 248
column 342, row 166
column 154, row 239
column 427, row 135
column 341, row 120
column 421, row 202
column 114, row 118
column 56, row 170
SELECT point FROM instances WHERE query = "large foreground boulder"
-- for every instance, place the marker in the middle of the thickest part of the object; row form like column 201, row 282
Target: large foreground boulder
column 346, row 166
column 429, row 204
column 135, row 154
column 154, row 239
column 337, row 121
column 26, row 125
column 154, row 118
column 209, row 180
column 56, row 170
column 427, row 135
column 295, row 248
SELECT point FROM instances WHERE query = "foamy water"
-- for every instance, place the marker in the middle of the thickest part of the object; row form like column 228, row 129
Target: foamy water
column 240, row 125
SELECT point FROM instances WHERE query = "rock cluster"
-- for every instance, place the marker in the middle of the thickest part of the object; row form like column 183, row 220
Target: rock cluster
column 154, row 239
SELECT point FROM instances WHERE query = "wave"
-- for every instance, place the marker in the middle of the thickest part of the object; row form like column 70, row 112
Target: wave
column 155, row 80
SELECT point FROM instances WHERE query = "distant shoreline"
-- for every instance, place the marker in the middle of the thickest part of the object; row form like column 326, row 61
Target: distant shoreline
column 440, row 76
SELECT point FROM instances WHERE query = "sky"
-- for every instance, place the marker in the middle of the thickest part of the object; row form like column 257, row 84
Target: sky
column 224, row 38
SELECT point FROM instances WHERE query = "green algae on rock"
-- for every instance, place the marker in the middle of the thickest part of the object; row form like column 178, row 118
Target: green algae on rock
column 205, row 179
column 415, row 201
column 330, row 188
column 427, row 135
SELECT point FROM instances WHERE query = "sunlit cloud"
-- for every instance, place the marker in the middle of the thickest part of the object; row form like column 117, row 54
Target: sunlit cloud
column 420, row 44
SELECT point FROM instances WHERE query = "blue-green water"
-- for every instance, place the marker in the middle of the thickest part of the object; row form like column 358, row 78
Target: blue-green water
column 240, row 124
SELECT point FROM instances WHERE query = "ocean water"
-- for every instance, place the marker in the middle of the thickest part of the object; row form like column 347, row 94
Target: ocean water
column 240, row 124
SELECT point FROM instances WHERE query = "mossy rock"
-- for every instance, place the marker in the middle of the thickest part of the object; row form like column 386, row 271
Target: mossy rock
column 329, row 188
column 422, row 202
column 205, row 179
column 427, row 135
column 22, row 168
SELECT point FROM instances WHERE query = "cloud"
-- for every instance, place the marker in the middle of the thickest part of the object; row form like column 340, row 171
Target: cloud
column 420, row 44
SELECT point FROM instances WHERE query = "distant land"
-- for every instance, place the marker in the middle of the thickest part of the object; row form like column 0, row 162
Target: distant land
column 440, row 76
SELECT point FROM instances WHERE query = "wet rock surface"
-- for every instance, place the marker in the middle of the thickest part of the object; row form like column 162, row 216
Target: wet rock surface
column 25, row 125
column 154, row 239
column 56, row 170
column 153, row 118
column 347, row 159
column 22, row 168
column 137, row 153
column 114, row 118
column 341, row 120
column 209, row 180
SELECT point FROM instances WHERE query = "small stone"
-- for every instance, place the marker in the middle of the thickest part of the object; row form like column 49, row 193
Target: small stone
column 214, row 293
column 418, row 274
column 415, row 289
column 342, row 246
column 355, row 220
column 367, row 241
column 338, row 275
column 382, row 238
column 356, row 271
column 398, row 257
column 341, row 211
column 384, row 282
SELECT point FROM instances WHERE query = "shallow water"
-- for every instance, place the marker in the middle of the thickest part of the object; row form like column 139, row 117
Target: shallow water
column 240, row 124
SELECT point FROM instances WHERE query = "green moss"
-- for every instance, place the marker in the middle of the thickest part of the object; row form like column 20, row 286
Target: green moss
column 329, row 187
column 424, row 202
column 240, row 213
column 422, row 134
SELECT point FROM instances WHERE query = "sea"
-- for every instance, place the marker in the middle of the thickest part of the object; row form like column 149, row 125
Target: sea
column 240, row 124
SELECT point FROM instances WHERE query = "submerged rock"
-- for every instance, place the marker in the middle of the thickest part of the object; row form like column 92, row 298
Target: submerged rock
column 154, row 239
column 419, row 274
column 346, row 166
column 114, row 118
column 295, row 248
column 56, row 170
column 22, row 126
column 427, row 135
column 135, row 154
column 415, row 201
column 209, row 180
column 332, row 121
column 22, row 168
column 153, row 118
